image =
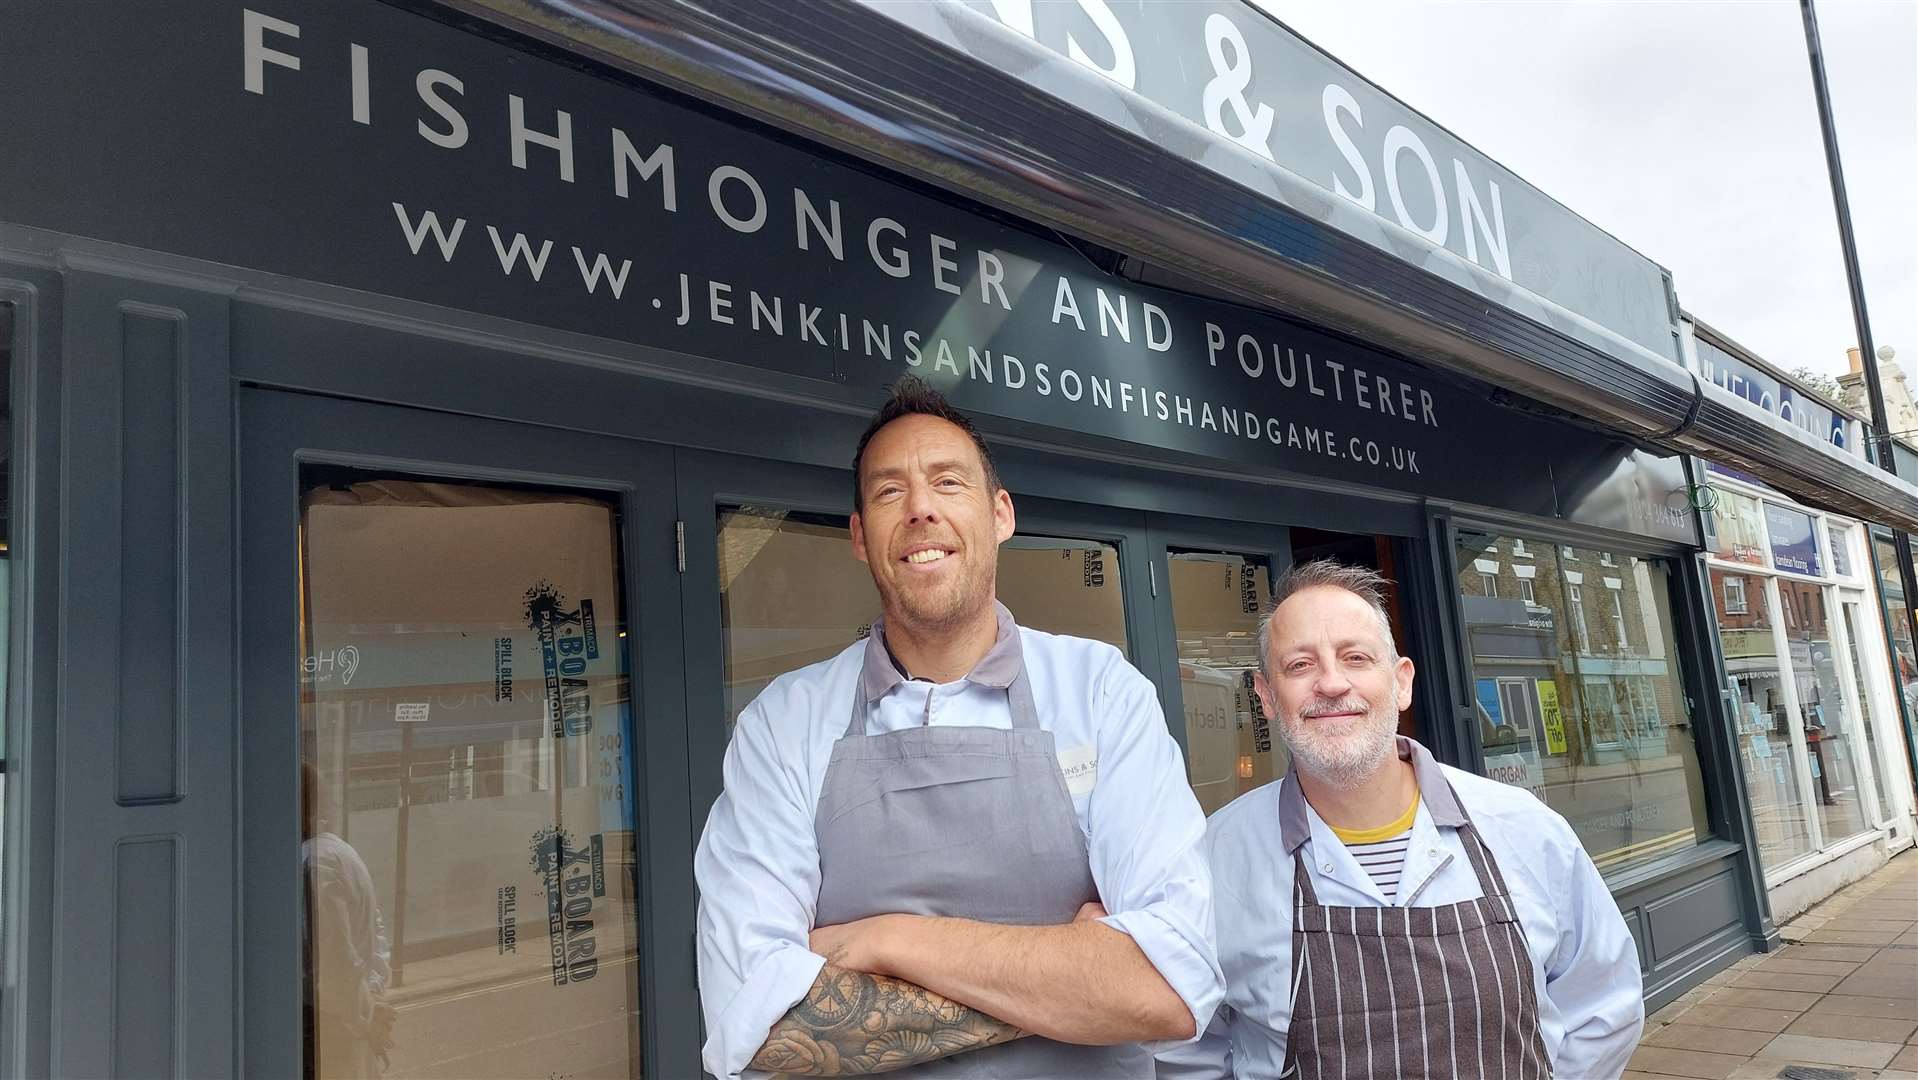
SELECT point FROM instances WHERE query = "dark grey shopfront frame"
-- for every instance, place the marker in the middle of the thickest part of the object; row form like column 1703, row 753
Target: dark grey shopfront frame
column 1692, row 912
column 263, row 346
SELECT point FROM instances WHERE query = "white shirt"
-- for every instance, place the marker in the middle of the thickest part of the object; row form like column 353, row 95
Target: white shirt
column 1591, row 998
column 758, row 861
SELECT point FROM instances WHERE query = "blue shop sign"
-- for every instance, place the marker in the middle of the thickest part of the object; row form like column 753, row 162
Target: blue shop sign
column 1794, row 546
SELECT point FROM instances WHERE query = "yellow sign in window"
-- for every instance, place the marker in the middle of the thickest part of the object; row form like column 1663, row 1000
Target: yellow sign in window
column 1554, row 720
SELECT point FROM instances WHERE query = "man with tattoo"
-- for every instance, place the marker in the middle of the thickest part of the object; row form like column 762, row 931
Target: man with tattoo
column 960, row 847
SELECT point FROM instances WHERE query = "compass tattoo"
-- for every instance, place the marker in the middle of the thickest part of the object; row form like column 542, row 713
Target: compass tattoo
column 853, row 1024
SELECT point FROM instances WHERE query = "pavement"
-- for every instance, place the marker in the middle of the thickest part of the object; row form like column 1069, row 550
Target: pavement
column 1839, row 1001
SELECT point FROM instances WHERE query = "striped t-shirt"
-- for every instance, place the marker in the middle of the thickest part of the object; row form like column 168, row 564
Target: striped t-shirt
column 1381, row 851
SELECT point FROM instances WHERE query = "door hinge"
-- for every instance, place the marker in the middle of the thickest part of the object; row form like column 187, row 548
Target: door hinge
column 679, row 544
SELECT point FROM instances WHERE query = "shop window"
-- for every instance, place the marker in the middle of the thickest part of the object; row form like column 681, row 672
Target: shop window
column 1738, row 529
column 1575, row 595
column 467, row 770
column 1064, row 586
column 1217, row 601
column 1621, row 639
column 1794, row 545
column 1605, row 740
column 1827, row 723
column 791, row 593
column 1877, row 806
column 1891, row 590
column 1840, row 543
column 1768, row 748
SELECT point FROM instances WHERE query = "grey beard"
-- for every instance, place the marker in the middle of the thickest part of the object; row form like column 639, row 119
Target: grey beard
column 1343, row 769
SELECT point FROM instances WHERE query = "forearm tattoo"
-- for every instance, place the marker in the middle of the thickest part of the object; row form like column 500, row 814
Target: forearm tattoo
column 854, row 1024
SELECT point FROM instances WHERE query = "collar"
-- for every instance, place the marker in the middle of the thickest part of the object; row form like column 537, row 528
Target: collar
column 1002, row 663
column 1434, row 790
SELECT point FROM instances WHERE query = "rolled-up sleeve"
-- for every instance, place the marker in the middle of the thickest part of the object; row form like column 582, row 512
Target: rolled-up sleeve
column 757, row 867
column 1147, row 833
column 1592, row 975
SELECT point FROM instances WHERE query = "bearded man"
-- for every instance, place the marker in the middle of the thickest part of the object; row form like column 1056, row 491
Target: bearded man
column 901, row 874
column 1405, row 918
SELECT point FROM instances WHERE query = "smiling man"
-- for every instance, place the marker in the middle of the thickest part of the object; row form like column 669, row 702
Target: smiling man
column 1403, row 918
column 899, row 874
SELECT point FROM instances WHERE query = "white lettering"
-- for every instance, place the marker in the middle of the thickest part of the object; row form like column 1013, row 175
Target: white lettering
column 253, row 34
column 941, row 266
column 1334, row 100
column 430, row 222
column 602, row 266
column 715, row 193
column 1397, row 141
column 561, row 140
column 626, row 156
column 1064, row 303
column 804, row 211
column 901, row 264
column 1470, row 213
column 510, row 255
column 427, row 84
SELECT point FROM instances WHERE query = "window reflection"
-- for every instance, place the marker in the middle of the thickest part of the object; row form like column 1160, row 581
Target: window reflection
column 467, row 761
column 1828, row 727
column 1217, row 601
column 1768, row 751
column 791, row 593
column 1577, row 692
column 1738, row 530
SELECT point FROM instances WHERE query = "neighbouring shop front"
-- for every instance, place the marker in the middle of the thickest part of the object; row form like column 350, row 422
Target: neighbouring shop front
column 430, row 430
column 1797, row 598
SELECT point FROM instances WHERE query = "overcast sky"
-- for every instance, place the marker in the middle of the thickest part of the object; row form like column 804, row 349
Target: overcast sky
column 1688, row 130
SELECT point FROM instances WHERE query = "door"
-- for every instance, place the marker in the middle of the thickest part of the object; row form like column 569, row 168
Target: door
column 1211, row 583
column 464, row 750
column 772, row 584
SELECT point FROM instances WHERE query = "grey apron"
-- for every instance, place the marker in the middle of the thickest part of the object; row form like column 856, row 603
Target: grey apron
column 966, row 822
column 1412, row 991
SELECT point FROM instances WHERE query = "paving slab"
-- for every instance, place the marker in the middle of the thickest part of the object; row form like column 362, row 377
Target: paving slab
column 1869, row 985
column 1796, row 1001
column 1906, row 1058
column 1847, row 953
column 1716, row 1040
column 1745, row 1017
column 1871, row 1028
column 1792, row 980
column 1855, row 1053
column 1889, row 1008
column 1785, row 961
column 1692, row 1063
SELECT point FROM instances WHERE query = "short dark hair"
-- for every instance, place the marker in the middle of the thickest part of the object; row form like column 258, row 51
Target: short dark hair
column 1366, row 584
column 913, row 396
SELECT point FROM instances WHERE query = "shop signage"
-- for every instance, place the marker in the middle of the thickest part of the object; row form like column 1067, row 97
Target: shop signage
column 1774, row 395
column 1794, row 546
column 1553, row 717
column 365, row 146
column 1265, row 95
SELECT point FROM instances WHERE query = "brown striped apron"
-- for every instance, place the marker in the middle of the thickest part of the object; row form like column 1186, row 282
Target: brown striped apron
column 1413, row 991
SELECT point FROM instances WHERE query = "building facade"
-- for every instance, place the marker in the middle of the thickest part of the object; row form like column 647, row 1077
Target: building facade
column 1814, row 643
column 431, row 425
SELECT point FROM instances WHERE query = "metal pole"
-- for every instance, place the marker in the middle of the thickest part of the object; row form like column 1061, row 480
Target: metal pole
column 1875, row 391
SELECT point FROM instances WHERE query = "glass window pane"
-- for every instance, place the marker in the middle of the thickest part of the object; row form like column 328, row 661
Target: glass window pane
column 1840, row 536
column 1064, row 586
column 1891, row 588
column 1825, row 719
column 1217, row 601
column 1853, row 625
column 467, row 771
column 790, row 594
column 1793, row 545
column 1767, row 750
column 1579, row 698
column 1738, row 534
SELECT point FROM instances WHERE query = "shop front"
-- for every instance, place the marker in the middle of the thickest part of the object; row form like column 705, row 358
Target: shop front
column 1815, row 700
column 426, row 440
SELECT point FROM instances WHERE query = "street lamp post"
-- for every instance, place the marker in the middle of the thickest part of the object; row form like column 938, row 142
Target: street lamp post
column 1874, row 388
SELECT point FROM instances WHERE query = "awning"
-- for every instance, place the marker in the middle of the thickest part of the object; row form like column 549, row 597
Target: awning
column 855, row 78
